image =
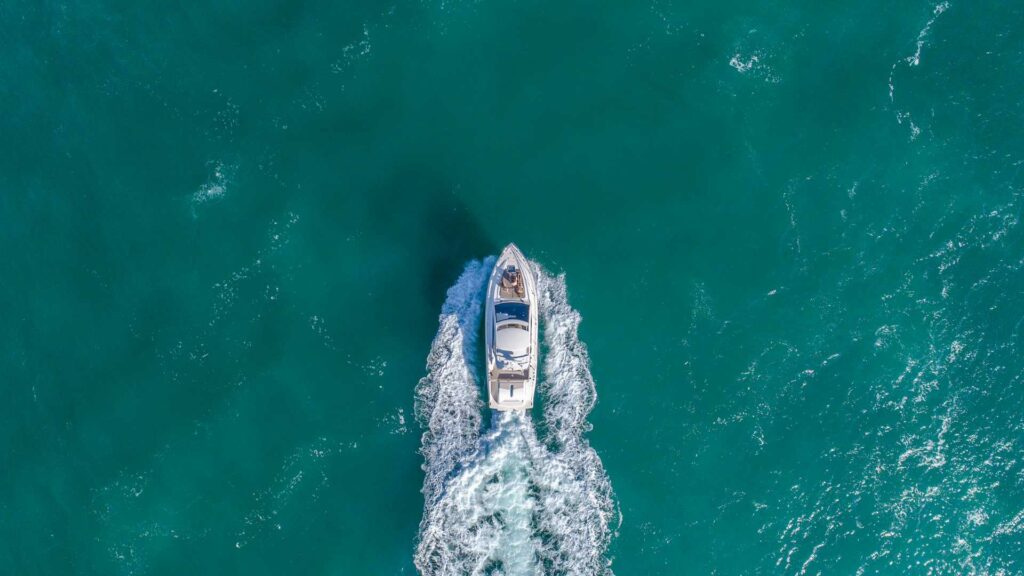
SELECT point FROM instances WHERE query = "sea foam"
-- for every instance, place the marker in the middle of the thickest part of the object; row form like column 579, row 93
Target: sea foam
column 505, row 501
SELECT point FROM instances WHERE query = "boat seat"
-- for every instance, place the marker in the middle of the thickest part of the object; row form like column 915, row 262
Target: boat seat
column 512, row 284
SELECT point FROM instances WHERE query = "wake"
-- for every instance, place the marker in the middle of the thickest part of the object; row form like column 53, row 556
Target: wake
column 503, row 502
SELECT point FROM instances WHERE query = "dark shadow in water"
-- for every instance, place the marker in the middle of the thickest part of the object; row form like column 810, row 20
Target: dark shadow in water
column 419, row 205
column 416, row 209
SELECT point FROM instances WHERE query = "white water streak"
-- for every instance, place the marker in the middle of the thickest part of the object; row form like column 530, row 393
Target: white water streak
column 448, row 399
column 912, row 61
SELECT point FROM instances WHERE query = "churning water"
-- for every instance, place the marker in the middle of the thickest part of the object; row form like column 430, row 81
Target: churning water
column 506, row 500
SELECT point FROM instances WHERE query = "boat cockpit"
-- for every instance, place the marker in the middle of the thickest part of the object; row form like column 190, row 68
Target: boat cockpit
column 512, row 285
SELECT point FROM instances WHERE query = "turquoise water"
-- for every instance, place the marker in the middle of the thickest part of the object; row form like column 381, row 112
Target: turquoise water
column 240, row 244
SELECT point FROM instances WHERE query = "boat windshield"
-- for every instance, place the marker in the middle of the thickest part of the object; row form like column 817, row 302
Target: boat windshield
column 511, row 311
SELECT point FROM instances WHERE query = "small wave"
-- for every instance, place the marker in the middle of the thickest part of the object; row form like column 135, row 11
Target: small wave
column 754, row 65
column 738, row 63
column 213, row 189
column 915, row 58
column 505, row 502
column 912, row 61
column 227, row 290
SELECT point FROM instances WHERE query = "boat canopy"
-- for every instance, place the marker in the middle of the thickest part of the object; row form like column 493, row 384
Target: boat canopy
column 513, row 337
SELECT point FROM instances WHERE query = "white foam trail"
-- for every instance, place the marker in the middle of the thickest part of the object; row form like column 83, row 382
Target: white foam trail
column 583, row 515
column 447, row 398
column 505, row 503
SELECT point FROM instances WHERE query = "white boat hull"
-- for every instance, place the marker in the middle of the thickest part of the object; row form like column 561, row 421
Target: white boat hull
column 511, row 330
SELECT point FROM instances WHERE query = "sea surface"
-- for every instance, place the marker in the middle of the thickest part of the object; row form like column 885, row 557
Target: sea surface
column 779, row 245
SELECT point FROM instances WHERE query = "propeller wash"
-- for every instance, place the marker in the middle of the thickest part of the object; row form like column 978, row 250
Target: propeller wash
column 504, row 501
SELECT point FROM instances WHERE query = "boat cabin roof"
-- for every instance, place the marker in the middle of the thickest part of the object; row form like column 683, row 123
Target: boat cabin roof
column 513, row 337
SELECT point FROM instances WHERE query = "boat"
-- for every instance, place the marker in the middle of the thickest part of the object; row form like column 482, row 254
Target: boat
column 510, row 328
